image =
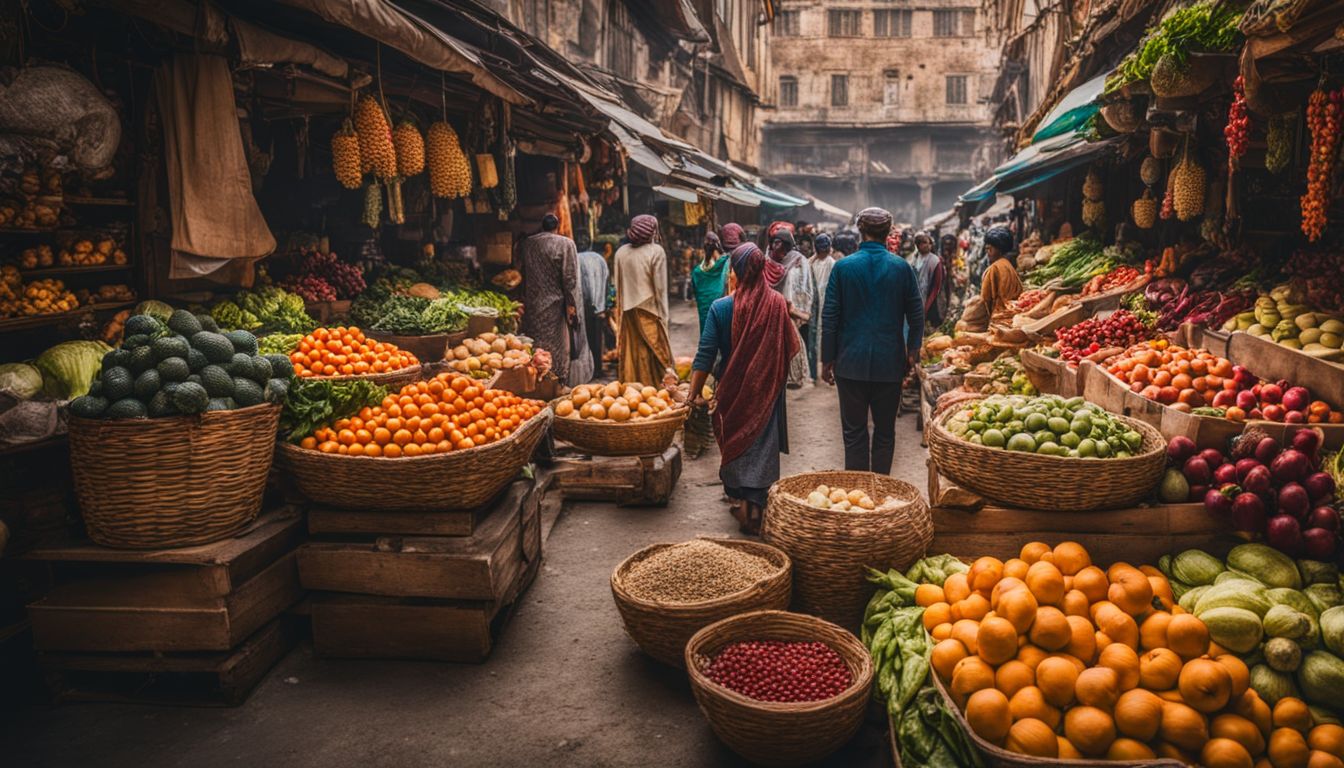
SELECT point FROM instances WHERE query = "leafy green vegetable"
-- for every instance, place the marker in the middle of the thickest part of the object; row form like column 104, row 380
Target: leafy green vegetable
column 928, row 735
column 1204, row 26
column 278, row 343
column 311, row 404
column 268, row 308
column 70, row 367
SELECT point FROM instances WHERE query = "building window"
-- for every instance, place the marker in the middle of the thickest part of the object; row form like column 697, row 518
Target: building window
column 946, row 23
column 786, row 24
column 956, row 89
column 891, row 88
column 620, row 41
column 952, row 157
column 788, row 91
column 843, row 23
column 967, row 22
column 839, row 90
column 892, row 23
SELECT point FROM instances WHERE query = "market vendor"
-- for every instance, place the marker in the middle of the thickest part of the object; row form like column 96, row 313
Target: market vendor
column 709, row 279
column 643, row 339
column 1000, row 286
column 748, row 342
column 550, row 264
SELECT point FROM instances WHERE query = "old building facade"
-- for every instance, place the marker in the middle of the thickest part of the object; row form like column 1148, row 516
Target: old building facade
column 695, row 68
column 881, row 102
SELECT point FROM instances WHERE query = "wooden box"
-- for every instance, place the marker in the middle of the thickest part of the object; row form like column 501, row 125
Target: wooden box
column 1109, row 392
column 206, row 598
column 481, row 566
column 1070, row 315
column 626, row 480
column 1051, row 375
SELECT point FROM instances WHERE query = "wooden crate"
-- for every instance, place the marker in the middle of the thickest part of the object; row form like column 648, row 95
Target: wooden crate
column 206, row 598
column 1051, row 375
column 192, row 679
column 1109, row 392
column 626, row 480
column 481, row 566
column 1063, row 318
column 332, row 521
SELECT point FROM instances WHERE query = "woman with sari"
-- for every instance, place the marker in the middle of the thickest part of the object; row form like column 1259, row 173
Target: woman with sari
column 709, row 279
column 748, row 340
column 640, row 274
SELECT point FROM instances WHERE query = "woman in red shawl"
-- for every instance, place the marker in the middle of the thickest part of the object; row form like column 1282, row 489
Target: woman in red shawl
column 747, row 342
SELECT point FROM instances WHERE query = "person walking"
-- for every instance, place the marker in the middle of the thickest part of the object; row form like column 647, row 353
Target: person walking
column 594, row 277
column 550, row 286
column 872, row 325
column 709, row 279
column 820, row 264
column 747, row 343
column 795, row 285
column 641, row 301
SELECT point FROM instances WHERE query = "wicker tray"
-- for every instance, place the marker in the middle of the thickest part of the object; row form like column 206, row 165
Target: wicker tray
column 831, row 548
column 393, row 380
column 172, row 482
column 661, row 629
column 1053, row 483
column 648, row 437
column 773, row 733
column 456, row 480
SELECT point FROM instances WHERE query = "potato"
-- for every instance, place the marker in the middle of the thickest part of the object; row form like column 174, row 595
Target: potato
column 824, row 490
column 843, row 506
column 866, row 503
column 818, row 499
column 838, row 495
column 854, row 496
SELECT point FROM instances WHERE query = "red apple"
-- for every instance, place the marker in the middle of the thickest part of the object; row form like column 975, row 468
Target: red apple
column 1295, row 417
column 1225, row 399
column 1246, row 400
column 1271, row 394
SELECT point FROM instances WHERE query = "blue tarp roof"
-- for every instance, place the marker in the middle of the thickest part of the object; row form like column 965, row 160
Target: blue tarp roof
column 1073, row 111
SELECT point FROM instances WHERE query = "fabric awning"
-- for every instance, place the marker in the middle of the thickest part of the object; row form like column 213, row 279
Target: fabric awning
column 1054, row 164
column 1033, row 165
column 675, row 192
column 775, row 197
column 1073, row 111
column 639, row 152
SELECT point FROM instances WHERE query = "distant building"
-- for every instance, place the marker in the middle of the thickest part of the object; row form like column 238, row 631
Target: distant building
column 881, row 102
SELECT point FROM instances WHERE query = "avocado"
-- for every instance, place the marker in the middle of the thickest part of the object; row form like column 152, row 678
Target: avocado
column 216, row 346
column 162, row 403
column 184, row 323
column 174, row 369
column 146, row 325
column 217, row 381
column 117, row 383
column 208, row 323
column 243, row 342
column 281, row 367
column 190, row 397
column 88, row 406
column 147, row 384
column 127, row 408
column 170, row 346
column 247, row 392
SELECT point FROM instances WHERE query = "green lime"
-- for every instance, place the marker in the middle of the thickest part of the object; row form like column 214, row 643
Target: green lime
column 1036, row 422
column 993, row 438
column 1087, row 448
column 1059, row 425
column 1070, row 439
column 1049, row 448
column 1022, row 442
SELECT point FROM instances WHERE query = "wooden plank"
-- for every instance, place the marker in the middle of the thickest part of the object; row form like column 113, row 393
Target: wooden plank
column 1050, row 374
column 1275, row 361
column 476, row 567
column 210, row 569
column 331, row 521
column 626, row 480
column 947, row 494
column 113, row 616
column 191, row 679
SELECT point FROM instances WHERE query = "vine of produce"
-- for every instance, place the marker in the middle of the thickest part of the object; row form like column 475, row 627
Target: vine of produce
column 1092, row 337
column 1047, row 425
column 1280, row 494
column 1325, row 110
column 1284, row 618
column 314, row 402
column 346, row 351
column 1110, row 667
column 447, row 413
column 184, row 366
column 1203, row 26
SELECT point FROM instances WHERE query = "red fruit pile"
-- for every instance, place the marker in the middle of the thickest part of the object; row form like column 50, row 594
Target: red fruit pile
column 1121, row 330
column 1238, row 128
column 774, row 670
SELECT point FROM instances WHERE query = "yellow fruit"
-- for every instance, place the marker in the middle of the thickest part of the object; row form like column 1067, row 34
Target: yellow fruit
column 1187, row 189
column 1138, row 713
column 988, row 715
column 1144, row 211
column 449, row 170
column 345, row 157
column 375, row 138
column 410, row 146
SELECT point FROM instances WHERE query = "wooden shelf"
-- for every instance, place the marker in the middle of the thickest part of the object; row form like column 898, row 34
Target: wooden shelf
column 53, row 318
column 110, row 201
column 27, row 231
column 46, row 271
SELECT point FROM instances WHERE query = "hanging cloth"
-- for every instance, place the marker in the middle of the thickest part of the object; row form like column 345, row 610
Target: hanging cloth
column 218, row 230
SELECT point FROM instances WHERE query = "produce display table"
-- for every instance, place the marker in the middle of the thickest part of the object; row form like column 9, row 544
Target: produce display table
column 421, row 594
column 626, row 480
column 209, row 613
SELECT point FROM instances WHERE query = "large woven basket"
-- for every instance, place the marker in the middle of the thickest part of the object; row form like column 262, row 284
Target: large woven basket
column 661, row 629
column 775, row 733
column 997, row 757
column 427, row 348
column 1053, row 483
column 172, row 482
column 648, row 437
column 463, row 479
column 830, row 548
column 393, row 380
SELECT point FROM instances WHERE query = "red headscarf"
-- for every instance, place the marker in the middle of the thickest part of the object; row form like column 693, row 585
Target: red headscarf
column 763, row 343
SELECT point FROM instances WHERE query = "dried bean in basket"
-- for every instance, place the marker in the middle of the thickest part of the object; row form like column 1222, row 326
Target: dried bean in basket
column 775, row 670
column 695, row 571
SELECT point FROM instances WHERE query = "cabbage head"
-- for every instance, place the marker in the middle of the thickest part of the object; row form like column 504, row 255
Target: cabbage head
column 69, row 367
column 20, row 381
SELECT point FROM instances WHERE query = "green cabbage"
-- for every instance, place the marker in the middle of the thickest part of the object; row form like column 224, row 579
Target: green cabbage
column 156, row 308
column 69, row 367
column 20, row 380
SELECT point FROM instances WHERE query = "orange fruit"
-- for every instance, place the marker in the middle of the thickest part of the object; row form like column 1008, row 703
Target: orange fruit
column 1030, row 703
column 1046, row 583
column 1288, row 748
column 1091, row 581
column 974, row 606
column 1241, row 675
column 996, row 640
column 1124, row 660
column 985, row 573
column 1238, row 729
column 1090, row 729
column 1153, row 630
column 1071, row 557
column 1206, row 685
column 1030, row 736
column 1129, row 749
column 969, row 675
column 945, row 656
column 988, row 715
column 1075, row 603
column 1031, row 655
column 1097, row 687
column 966, row 631
column 1012, row 676
column 1032, row 551
column 928, row 594
column 1159, row 669
column 933, row 615
column 1018, row 606
column 1051, row 629
column 1016, row 568
column 1138, row 713
column 1290, row 712
column 1183, row 726
column 1057, row 679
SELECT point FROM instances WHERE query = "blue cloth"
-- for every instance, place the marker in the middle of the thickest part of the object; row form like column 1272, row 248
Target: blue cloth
column 871, row 298
column 716, row 338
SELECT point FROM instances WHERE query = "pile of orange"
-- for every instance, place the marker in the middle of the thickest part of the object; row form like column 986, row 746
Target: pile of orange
column 346, row 352
column 1050, row 656
column 447, row 413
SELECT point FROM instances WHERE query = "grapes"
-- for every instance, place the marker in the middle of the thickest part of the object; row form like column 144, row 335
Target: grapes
column 324, row 277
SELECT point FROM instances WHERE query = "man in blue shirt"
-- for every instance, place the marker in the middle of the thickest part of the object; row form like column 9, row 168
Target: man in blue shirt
column 871, row 298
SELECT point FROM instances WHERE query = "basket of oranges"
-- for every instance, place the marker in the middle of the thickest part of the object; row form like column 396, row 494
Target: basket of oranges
column 446, row 443
column 345, row 353
column 618, row 419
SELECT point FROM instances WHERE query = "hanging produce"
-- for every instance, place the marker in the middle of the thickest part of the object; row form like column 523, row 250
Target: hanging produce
column 376, row 151
column 1144, row 211
column 373, row 206
column 410, row 147
column 485, row 170
column 1188, row 186
column 1324, row 112
column 1238, row 128
column 1203, row 26
column 1150, row 171
column 1168, row 209
column 345, row 162
column 1280, row 141
column 396, row 209
column 1093, row 189
column 449, row 170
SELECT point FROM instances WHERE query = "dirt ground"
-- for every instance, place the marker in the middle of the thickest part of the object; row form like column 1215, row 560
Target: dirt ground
column 564, row 686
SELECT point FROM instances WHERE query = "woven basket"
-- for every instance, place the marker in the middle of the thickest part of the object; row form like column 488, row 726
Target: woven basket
column 1051, row 483
column 775, row 733
column 427, row 348
column 831, row 548
column 172, row 482
column 393, row 380
column 998, row 757
column 463, row 479
column 661, row 629
column 648, row 437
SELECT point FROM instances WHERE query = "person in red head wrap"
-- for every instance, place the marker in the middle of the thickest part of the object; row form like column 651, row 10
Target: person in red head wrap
column 747, row 342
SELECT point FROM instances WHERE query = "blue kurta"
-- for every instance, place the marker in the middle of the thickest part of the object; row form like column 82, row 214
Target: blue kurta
column 872, row 315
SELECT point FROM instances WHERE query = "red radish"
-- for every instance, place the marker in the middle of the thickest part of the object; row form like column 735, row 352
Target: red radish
column 1307, row 441
column 1266, row 450
column 1271, row 394
column 1318, row 543
column 1248, row 515
column 1323, row 517
column 1296, row 399
column 1290, row 466
column 1196, row 471
column 1219, row 502
column 1257, row 480
column 1244, row 466
column 1180, row 448
column 1212, row 457
column 1246, row 400
column 1275, row 412
column 1293, row 500
column 1320, row 487
column 1284, row 533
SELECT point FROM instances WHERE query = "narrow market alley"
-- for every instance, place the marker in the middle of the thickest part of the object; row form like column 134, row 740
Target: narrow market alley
column 565, row 686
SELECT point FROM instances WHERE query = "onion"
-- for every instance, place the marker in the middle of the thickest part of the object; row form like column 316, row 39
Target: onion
column 1244, row 466
column 1257, row 480
column 1196, row 471
column 1307, row 441
column 1266, row 450
column 1290, row 466
column 1225, row 474
column 1318, row 543
column 1323, row 517
column 1180, row 448
column 1293, row 500
column 1217, row 502
column 1248, row 515
column 1284, row 534
column 1320, row 487
column 1212, row 457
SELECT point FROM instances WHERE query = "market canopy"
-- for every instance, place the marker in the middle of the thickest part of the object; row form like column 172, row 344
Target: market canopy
column 1034, row 165
column 1073, row 111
